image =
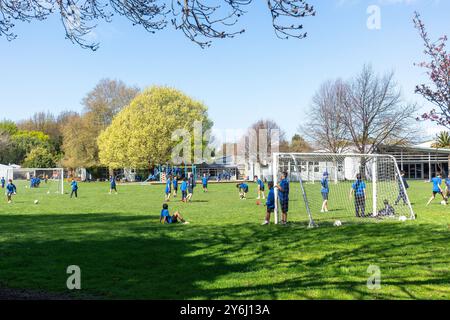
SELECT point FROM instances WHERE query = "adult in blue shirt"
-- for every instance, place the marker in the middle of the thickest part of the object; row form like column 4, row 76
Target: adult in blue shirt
column 167, row 218
column 437, row 189
column 283, row 196
column 402, row 191
column 205, row 182
column 112, row 184
column 359, row 192
column 325, row 191
column 74, row 186
column 3, row 182
column 260, row 184
column 10, row 190
column 270, row 203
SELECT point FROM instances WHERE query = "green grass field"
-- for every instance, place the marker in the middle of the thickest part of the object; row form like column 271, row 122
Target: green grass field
column 224, row 253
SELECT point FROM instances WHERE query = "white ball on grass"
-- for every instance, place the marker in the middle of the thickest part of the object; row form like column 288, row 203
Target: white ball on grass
column 444, row 203
column 402, row 218
column 48, row 192
column 36, row 201
column 337, row 223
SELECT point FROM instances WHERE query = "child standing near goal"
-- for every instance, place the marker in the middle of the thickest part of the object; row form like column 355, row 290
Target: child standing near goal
column 325, row 191
column 401, row 190
column 283, row 195
column 359, row 191
column 11, row 190
column 3, row 182
column 437, row 189
column 270, row 203
column 74, row 186
column 260, row 184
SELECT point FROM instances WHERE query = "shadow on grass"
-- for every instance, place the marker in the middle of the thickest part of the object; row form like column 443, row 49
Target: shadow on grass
column 134, row 257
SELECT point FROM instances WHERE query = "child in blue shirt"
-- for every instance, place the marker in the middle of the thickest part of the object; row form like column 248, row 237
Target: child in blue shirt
column 184, row 187
column 74, row 186
column 402, row 191
column 168, row 188
column 175, row 186
column 167, row 218
column 3, row 182
column 437, row 189
column 113, row 185
column 243, row 190
column 205, row 183
column 270, row 203
column 260, row 184
column 359, row 192
column 325, row 191
column 283, row 195
column 10, row 191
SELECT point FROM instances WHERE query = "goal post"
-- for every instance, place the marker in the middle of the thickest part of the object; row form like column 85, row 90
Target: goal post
column 325, row 185
column 49, row 179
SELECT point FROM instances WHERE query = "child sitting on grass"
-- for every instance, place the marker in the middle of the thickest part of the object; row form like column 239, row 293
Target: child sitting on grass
column 167, row 218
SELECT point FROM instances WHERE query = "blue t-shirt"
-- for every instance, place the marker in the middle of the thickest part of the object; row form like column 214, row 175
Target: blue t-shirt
column 165, row 214
column 436, row 184
column 74, row 185
column 324, row 183
column 168, row 186
column 283, row 194
column 260, row 183
column 113, row 182
column 11, row 188
column 184, row 186
column 359, row 186
column 205, row 181
column 447, row 182
column 3, row 182
column 175, row 183
column 244, row 186
column 270, row 202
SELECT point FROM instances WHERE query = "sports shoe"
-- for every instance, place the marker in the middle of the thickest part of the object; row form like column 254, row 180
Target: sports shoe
column 322, row 211
column 265, row 223
column 186, row 222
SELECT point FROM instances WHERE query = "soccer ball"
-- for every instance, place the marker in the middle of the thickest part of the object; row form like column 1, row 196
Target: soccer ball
column 36, row 201
column 402, row 219
column 444, row 203
column 48, row 192
column 337, row 223
column 258, row 203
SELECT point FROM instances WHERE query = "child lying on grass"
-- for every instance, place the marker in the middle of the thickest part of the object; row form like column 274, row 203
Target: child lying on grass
column 167, row 218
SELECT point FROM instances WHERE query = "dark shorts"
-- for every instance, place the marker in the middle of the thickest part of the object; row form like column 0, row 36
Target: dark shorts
column 284, row 206
column 205, row 186
column 175, row 188
column 436, row 193
column 113, row 188
column 270, row 210
column 184, row 194
column 245, row 190
column 261, row 188
column 191, row 190
column 325, row 195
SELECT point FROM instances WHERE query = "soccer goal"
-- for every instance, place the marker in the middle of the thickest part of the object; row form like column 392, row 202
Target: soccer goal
column 380, row 192
column 49, row 180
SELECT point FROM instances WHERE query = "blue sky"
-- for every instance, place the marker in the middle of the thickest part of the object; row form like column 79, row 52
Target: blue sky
column 241, row 80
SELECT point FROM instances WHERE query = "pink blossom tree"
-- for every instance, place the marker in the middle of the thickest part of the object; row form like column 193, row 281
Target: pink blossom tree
column 438, row 69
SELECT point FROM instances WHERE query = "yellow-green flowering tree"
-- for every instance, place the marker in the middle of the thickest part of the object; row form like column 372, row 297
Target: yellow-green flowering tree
column 141, row 134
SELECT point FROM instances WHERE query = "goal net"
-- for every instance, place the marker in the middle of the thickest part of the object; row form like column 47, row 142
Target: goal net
column 324, row 186
column 49, row 180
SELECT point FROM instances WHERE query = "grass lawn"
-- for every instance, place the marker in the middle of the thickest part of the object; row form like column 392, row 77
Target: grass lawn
column 224, row 253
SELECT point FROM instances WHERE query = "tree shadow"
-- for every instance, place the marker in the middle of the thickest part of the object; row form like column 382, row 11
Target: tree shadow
column 135, row 257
